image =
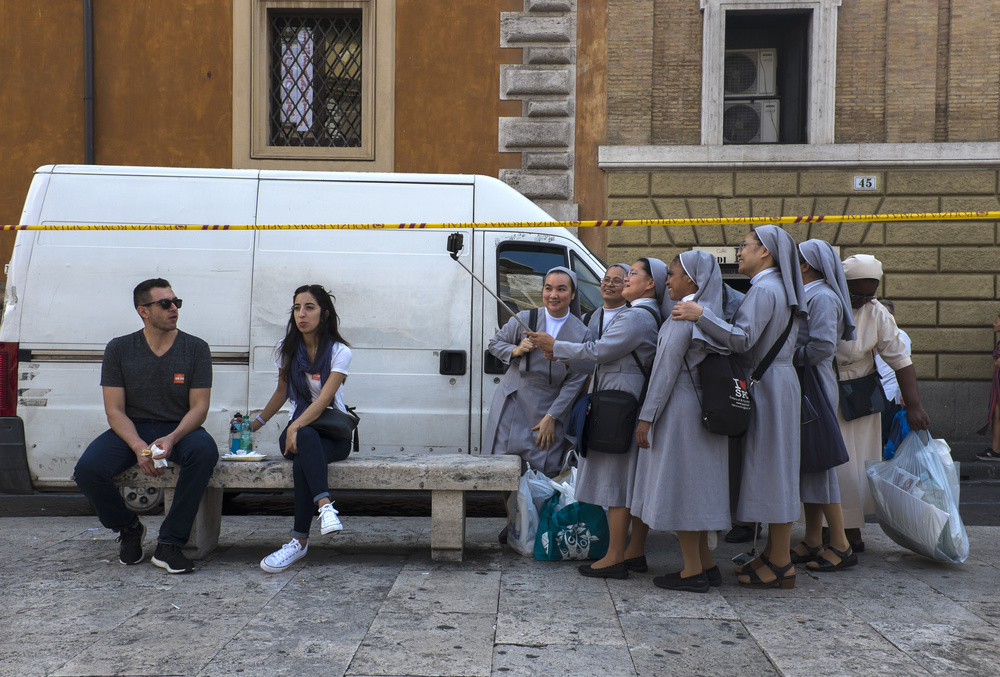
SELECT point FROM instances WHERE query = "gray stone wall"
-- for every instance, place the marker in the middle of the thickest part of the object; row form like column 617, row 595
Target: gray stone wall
column 545, row 83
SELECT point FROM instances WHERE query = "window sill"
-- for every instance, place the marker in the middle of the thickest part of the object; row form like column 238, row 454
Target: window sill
column 770, row 156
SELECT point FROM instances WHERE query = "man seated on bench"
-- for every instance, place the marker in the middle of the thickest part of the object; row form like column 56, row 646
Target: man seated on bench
column 157, row 384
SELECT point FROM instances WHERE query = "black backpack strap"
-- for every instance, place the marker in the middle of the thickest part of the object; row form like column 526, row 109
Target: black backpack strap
column 533, row 323
column 762, row 366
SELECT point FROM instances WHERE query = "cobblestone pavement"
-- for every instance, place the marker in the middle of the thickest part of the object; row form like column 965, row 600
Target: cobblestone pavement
column 370, row 602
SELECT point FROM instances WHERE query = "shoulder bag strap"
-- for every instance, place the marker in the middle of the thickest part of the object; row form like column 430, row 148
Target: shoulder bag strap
column 533, row 323
column 762, row 366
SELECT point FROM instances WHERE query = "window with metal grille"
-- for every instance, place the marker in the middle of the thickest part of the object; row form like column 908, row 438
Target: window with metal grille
column 314, row 78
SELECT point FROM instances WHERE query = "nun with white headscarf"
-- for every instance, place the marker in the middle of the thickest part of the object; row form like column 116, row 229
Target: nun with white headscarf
column 622, row 353
column 682, row 477
column 875, row 330
column 533, row 401
column 830, row 321
column 769, row 491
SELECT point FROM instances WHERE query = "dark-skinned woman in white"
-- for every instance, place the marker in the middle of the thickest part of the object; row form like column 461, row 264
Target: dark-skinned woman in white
column 607, row 479
column 876, row 331
column 682, row 476
column 769, row 491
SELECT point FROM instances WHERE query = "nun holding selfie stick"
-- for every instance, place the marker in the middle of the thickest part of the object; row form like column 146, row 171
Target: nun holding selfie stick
column 775, row 304
column 533, row 401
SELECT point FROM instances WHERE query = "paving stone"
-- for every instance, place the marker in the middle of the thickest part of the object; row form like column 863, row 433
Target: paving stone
column 157, row 644
column 418, row 643
column 662, row 645
column 444, row 591
column 566, row 660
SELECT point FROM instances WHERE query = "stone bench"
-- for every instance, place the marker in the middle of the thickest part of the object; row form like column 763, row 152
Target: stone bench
column 446, row 476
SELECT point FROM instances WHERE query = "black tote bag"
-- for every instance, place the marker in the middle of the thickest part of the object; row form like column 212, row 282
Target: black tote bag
column 822, row 445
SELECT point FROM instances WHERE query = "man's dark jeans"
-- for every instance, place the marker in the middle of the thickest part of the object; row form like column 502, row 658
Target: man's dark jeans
column 108, row 455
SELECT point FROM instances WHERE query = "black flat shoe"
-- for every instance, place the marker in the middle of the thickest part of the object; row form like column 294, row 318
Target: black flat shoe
column 614, row 571
column 637, row 564
column 674, row 581
column 502, row 536
column 741, row 533
column 714, row 576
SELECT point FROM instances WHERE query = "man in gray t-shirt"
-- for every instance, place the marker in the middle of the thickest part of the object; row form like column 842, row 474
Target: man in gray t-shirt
column 157, row 385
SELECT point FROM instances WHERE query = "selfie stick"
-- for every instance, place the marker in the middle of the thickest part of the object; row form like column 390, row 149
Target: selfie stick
column 454, row 247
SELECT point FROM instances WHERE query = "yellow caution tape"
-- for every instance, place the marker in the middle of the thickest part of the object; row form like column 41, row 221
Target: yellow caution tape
column 611, row 223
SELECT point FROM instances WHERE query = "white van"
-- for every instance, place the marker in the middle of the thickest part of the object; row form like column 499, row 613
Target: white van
column 417, row 322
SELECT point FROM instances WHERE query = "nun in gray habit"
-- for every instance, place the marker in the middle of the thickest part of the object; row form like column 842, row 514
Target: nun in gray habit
column 607, row 479
column 830, row 321
column 534, row 388
column 769, row 491
column 682, row 476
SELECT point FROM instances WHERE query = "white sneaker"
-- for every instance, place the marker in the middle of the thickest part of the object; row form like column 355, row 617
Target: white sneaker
column 280, row 560
column 328, row 520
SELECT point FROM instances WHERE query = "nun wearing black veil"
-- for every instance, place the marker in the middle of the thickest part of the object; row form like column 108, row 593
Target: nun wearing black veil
column 607, row 479
column 532, row 403
column 682, row 476
column 769, row 491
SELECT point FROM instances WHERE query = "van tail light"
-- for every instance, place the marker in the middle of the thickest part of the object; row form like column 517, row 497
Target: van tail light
column 8, row 379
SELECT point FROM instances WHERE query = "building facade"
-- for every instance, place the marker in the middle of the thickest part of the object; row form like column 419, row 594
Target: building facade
column 719, row 108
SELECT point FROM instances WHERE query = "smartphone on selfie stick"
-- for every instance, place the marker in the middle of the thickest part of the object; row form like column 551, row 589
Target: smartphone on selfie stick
column 455, row 242
column 744, row 558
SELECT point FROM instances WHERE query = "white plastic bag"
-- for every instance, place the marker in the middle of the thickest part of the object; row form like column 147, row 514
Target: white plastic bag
column 916, row 499
column 535, row 488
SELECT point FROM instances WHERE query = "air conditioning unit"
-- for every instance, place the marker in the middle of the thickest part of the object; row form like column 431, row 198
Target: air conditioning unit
column 751, row 121
column 750, row 72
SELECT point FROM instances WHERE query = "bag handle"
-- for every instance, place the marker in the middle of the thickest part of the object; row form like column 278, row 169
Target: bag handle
column 762, row 366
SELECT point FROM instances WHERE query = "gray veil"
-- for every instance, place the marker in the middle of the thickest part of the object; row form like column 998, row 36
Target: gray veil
column 784, row 252
column 820, row 255
column 703, row 268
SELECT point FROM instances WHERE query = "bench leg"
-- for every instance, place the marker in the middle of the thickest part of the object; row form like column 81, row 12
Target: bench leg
column 447, row 525
column 204, row 536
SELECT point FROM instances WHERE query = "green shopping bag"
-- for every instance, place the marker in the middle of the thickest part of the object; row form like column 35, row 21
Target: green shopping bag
column 573, row 531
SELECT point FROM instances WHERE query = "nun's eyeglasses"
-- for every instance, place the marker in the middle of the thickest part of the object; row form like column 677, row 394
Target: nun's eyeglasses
column 744, row 245
column 862, row 298
column 613, row 282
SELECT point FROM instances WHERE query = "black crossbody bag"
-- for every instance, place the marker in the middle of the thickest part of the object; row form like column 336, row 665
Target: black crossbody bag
column 609, row 426
column 726, row 404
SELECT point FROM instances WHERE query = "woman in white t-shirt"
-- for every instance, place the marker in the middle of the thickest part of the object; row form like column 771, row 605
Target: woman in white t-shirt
column 312, row 362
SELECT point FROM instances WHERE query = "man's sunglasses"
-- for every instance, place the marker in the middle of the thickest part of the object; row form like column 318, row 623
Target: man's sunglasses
column 165, row 303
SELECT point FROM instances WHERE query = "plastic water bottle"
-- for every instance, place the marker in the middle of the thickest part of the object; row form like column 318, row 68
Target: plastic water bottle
column 246, row 437
column 235, row 433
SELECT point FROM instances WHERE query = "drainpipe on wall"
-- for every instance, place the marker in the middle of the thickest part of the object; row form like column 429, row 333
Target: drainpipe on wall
column 88, row 82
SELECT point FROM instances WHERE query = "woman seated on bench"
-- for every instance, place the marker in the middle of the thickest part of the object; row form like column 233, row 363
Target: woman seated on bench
column 312, row 363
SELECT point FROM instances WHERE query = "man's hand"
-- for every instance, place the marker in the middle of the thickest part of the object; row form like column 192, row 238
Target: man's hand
column 145, row 456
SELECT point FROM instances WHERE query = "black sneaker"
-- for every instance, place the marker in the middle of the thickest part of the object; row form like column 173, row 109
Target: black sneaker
column 130, row 550
column 170, row 557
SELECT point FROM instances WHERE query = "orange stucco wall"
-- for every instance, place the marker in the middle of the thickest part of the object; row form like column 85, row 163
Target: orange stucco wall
column 448, row 86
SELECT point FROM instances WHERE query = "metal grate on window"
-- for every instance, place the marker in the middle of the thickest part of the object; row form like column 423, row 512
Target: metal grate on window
column 315, row 79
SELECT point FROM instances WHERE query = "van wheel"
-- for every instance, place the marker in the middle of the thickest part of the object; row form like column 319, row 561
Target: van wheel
column 143, row 500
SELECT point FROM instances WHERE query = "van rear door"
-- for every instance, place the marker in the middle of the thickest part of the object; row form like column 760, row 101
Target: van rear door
column 404, row 305
column 78, row 295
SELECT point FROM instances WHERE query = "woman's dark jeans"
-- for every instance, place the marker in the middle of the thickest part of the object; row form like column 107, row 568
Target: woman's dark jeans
column 309, row 472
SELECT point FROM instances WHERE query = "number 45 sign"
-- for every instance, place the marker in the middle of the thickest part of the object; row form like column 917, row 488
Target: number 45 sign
column 864, row 183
